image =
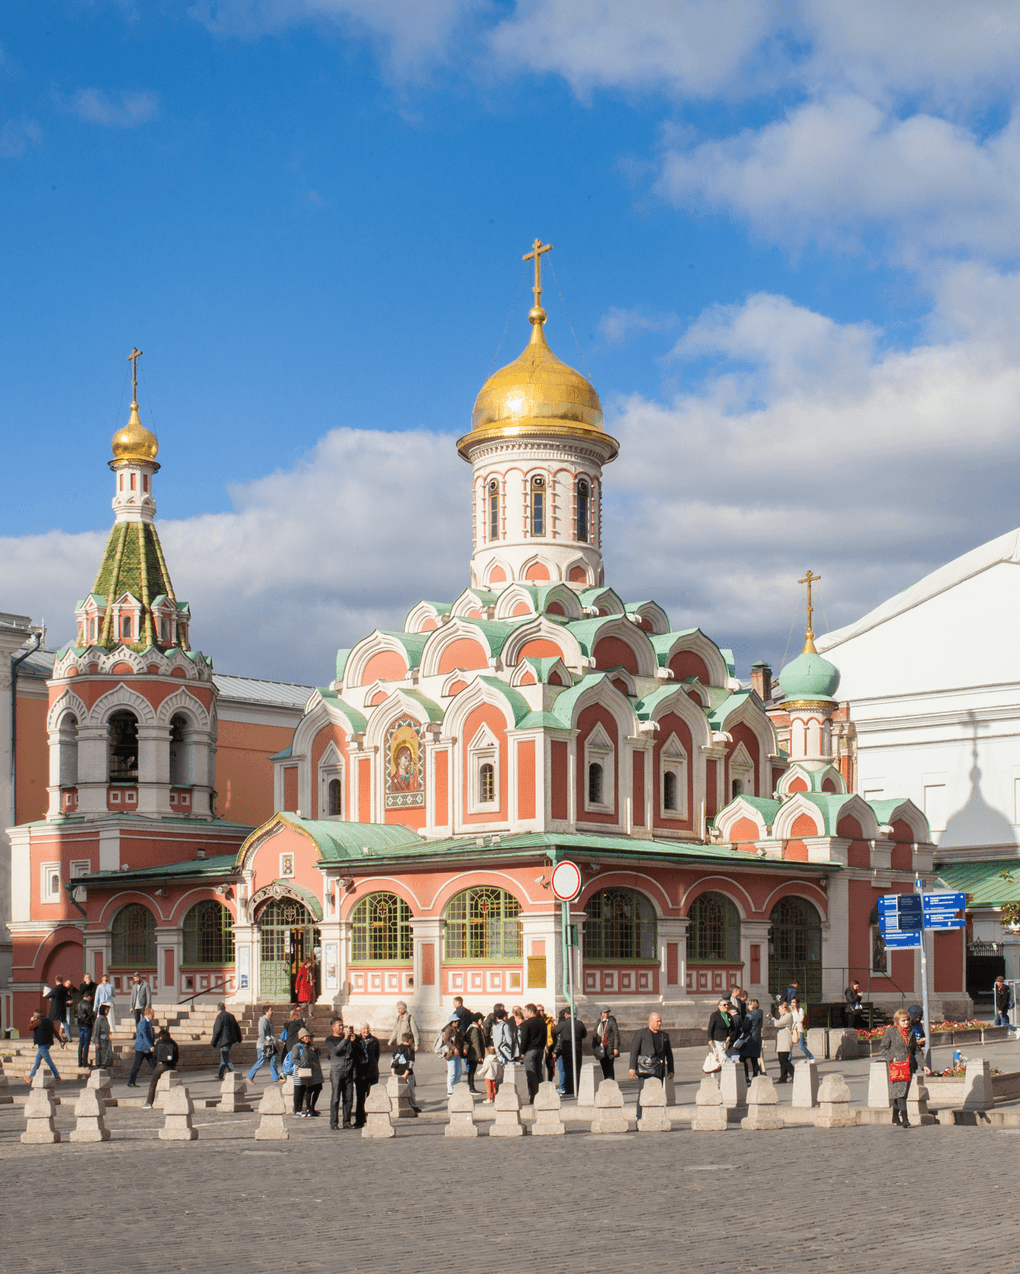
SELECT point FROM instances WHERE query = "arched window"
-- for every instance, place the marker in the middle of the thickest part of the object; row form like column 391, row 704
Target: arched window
column 164, row 630
column 538, row 505
column 795, row 947
column 583, row 499
column 619, row 925
column 737, row 787
column 487, row 784
column 125, row 627
column 713, row 930
column 381, row 930
column 596, row 784
column 493, row 510
column 67, row 743
column 208, row 934
column 123, row 748
column 335, row 798
column 483, row 924
column 180, row 750
column 669, row 790
column 134, row 938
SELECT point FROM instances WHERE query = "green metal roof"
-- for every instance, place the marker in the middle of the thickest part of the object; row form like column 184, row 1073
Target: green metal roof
column 540, row 721
column 283, row 754
column 214, row 865
column 730, row 704
column 133, row 563
column 341, row 662
column 358, row 721
column 497, row 631
column 981, row 880
column 339, row 841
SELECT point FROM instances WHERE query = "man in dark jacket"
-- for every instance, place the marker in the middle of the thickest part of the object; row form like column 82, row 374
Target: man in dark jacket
column 43, row 1036
column 167, row 1057
column 606, row 1042
column 366, row 1070
column 58, row 999
column 145, row 1046
column 340, row 1051
column 464, row 1016
column 489, row 1022
column 563, row 1046
column 853, row 1007
column 226, row 1033
column 531, row 1042
column 651, row 1055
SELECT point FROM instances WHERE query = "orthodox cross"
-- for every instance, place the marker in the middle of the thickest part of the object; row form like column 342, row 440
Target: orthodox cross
column 809, row 636
column 133, row 358
column 537, row 248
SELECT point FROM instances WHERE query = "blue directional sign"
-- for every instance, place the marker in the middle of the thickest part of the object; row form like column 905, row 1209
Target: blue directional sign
column 899, row 919
column 940, row 910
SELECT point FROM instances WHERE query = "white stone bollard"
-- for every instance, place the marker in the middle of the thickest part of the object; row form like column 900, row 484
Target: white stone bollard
column 461, row 1108
column 399, row 1098
column 547, row 1112
column 917, row 1103
column 818, row 1042
column 609, row 1116
column 508, row 1114
column 977, row 1086
column 878, row 1087
column 377, row 1114
column 733, row 1085
column 90, row 1117
column 272, row 1108
column 844, row 1046
column 288, row 1090
column 588, row 1083
column 167, row 1081
column 653, row 1108
column 670, row 1086
column 834, row 1104
column 805, row 1084
column 515, row 1077
column 100, row 1082
column 762, row 1106
column 40, row 1129
column 5, row 1098
column 178, row 1109
column 710, row 1115
column 233, row 1094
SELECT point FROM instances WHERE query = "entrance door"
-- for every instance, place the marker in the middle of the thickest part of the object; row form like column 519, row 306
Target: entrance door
column 287, row 934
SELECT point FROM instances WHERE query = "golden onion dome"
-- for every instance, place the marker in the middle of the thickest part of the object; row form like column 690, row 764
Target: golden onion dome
column 134, row 444
column 537, row 394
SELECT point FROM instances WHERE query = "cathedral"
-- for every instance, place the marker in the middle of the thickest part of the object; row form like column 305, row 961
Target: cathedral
column 432, row 784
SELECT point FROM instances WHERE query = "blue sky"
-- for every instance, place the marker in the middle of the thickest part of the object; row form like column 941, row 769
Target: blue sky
column 785, row 235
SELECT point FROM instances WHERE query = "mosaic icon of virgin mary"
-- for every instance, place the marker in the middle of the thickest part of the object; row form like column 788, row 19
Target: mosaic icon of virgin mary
column 404, row 772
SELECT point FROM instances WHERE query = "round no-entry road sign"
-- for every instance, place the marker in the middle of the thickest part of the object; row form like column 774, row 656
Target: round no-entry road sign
column 566, row 881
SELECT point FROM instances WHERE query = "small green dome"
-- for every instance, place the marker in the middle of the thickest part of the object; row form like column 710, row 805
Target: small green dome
column 809, row 676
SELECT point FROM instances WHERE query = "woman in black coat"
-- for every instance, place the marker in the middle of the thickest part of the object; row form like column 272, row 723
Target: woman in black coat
column 750, row 1039
column 900, row 1048
column 563, row 1046
column 366, row 1070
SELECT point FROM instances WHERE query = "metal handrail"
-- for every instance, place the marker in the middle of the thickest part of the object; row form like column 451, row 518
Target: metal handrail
column 220, row 986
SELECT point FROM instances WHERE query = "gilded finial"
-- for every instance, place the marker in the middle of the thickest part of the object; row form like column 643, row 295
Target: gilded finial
column 537, row 316
column 809, row 633
column 134, row 443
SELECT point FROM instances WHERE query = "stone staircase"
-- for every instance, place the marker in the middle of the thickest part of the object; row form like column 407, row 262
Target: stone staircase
column 191, row 1025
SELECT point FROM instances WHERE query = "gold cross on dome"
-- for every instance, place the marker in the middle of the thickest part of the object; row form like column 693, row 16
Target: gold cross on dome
column 133, row 358
column 809, row 636
column 537, row 249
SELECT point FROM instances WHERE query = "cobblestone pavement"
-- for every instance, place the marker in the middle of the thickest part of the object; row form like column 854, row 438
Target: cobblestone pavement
column 824, row 1202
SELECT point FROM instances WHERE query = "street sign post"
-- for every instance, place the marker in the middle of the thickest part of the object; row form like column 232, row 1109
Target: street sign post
column 566, row 885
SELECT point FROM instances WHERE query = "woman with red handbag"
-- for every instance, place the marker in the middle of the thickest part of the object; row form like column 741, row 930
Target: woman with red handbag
column 900, row 1048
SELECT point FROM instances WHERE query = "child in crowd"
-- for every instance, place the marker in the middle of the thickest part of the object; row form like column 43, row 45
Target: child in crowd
column 489, row 1071
column 403, row 1064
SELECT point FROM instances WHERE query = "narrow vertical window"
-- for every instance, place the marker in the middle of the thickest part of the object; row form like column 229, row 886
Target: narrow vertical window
column 335, row 796
column 125, row 628
column 669, row 790
column 538, row 506
column 594, row 784
column 487, row 784
column 583, row 494
column 134, row 481
column 493, row 510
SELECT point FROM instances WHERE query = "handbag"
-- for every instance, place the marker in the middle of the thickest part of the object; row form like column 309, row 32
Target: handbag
column 899, row 1072
column 649, row 1065
column 711, row 1064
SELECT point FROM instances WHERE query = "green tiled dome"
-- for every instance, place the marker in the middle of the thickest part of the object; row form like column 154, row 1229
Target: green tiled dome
column 809, row 676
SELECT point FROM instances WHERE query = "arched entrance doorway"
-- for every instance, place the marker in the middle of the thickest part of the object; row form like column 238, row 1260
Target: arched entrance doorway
column 795, row 948
column 287, row 934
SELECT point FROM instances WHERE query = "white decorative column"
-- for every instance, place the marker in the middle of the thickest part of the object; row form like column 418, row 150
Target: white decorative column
column 427, row 1002
column 154, row 771
column 669, row 931
column 93, row 771
column 540, row 935
column 169, row 951
column 755, row 933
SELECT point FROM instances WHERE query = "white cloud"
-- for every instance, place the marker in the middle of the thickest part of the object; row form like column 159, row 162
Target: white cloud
column 693, row 48
column 16, row 137
column 413, row 34
column 617, row 326
column 115, row 110
column 833, row 170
